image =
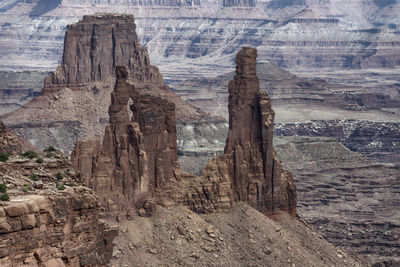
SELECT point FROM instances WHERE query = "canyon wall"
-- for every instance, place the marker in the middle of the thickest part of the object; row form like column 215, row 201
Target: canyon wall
column 49, row 219
column 292, row 34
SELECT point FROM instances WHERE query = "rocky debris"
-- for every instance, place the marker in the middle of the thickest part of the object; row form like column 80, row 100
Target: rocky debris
column 12, row 143
column 137, row 165
column 50, row 219
column 240, row 237
column 249, row 159
column 76, row 97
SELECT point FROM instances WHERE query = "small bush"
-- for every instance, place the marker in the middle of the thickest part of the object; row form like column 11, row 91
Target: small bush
column 24, row 189
column 39, row 160
column 3, row 188
column 3, row 157
column 49, row 155
column 60, row 187
column 30, row 154
column 71, row 184
column 50, row 149
column 4, row 197
column 59, row 176
column 34, row 177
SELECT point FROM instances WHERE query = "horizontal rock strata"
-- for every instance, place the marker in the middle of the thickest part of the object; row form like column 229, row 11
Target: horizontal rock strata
column 50, row 220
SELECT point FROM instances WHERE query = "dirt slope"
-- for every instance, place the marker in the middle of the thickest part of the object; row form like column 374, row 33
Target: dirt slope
column 242, row 237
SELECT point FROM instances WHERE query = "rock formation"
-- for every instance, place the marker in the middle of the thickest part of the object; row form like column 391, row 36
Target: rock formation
column 139, row 151
column 94, row 46
column 50, row 219
column 256, row 174
column 137, row 163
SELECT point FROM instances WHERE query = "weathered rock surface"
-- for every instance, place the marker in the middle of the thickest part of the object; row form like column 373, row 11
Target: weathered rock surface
column 137, row 164
column 50, row 219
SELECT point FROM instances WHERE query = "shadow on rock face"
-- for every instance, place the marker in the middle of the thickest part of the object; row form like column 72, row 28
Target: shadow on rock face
column 44, row 6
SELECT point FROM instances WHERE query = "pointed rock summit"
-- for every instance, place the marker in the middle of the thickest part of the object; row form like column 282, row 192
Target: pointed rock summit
column 137, row 166
column 250, row 161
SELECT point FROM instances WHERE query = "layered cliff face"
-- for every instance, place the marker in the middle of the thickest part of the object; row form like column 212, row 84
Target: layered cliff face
column 349, row 199
column 137, row 167
column 50, row 219
column 291, row 33
column 18, row 88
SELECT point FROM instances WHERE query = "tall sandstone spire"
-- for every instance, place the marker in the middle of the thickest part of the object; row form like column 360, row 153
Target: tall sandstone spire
column 137, row 166
column 256, row 175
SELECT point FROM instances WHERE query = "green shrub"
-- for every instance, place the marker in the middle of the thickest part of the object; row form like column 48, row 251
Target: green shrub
column 50, row 149
column 71, row 184
column 3, row 157
column 4, row 197
column 3, row 188
column 34, row 177
column 59, row 176
column 49, row 155
column 60, row 187
column 30, row 154
column 24, row 189
column 39, row 160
